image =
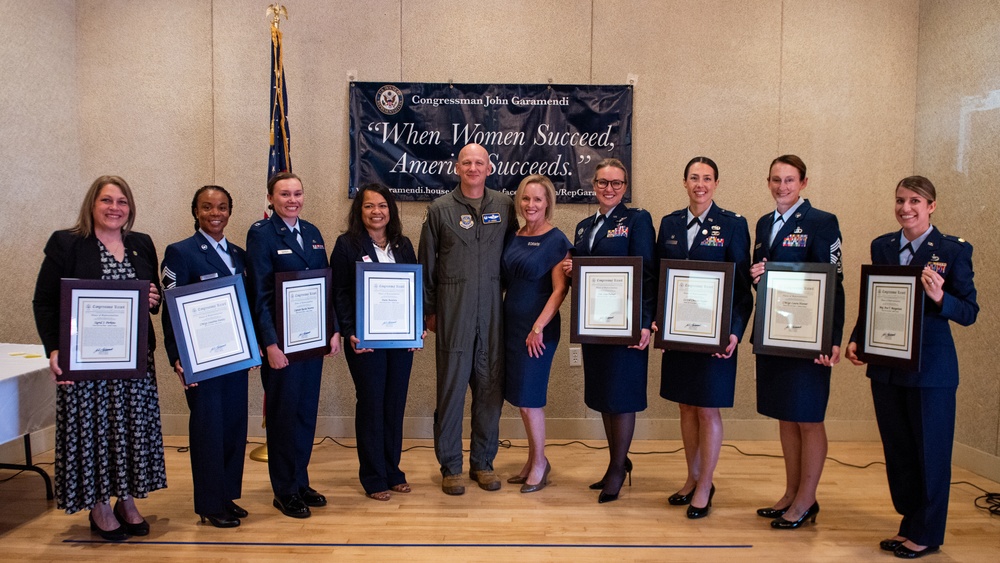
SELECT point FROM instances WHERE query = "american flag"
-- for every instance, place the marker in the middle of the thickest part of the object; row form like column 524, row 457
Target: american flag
column 279, row 157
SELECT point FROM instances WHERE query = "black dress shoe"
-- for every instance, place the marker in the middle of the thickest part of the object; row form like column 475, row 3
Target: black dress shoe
column 221, row 520
column 677, row 499
column 890, row 545
column 628, row 471
column 781, row 524
column 311, row 497
column 906, row 553
column 235, row 510
column 140, row 529
column 771, row 512
column 118, row 534
column 694, row 512
column 293, row 506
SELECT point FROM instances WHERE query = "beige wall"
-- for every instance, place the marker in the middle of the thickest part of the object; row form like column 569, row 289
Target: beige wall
column 174, row 95
column 958, row 148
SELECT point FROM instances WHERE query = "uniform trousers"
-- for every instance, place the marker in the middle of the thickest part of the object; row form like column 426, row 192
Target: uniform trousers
column 917, row 425
column 291, row 405
column 381, row 380
column 458, row 368
column 217, row 434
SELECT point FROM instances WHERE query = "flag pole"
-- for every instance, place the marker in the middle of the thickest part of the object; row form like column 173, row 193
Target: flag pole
column 280, row 157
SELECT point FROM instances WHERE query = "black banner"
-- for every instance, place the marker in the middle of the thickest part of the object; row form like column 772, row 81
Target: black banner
column 407, row 135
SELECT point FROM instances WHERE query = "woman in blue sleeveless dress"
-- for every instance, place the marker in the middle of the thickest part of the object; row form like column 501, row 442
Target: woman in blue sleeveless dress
column 536, row 286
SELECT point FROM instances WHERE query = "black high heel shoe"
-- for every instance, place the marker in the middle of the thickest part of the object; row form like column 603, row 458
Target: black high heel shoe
column 610, row 497
column 118, row 534
column 781, row 524
column 140, row 529
column 678, row 499
column 694, row 512
column 771, row 512
column 628, row 471
column 221, row 520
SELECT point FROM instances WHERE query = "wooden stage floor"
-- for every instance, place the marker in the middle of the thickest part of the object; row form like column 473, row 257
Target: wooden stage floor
column 563, row 522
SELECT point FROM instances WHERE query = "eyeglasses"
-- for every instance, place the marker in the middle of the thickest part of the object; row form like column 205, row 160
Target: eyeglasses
column 615, row 184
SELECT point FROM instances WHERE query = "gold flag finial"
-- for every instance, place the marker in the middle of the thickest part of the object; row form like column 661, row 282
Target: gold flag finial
column 275, row 11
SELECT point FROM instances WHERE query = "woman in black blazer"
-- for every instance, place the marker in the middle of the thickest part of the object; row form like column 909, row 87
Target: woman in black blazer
column 286, row 243
column 108, row 438
column 381, row 377
column 217, row 428
column 702, row 383
column 916, row 409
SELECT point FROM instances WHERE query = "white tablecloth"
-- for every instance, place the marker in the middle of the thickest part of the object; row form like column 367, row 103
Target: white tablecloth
column 27, row 393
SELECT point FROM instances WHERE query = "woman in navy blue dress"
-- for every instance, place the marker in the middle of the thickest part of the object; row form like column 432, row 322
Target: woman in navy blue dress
column 916, row 409
column 285, row 243
column 615, row 375
column 794, row 390
column 703, row 383
column 381, row 377
column 536, row 286
column 217, row 427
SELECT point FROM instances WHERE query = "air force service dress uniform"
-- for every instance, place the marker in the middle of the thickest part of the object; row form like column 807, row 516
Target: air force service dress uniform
column 796, row 389
column 460, row 249
column 217, row 426
column 615, row 375
column 700, row 379
column 381, row 377
column 291, row 394
column 916, row 409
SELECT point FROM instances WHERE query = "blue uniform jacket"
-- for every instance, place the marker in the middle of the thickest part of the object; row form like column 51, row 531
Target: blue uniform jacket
column 810, row 235
column 272, row 248
column 725, row 237
column 346, row 253
column 952, row 258
column 627, row 232
column 190, row 261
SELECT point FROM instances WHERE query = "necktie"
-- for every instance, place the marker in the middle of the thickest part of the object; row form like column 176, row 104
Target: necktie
column 693, row 233
column 298, row 238
column 779, row 222
column 593, row 230
column 905, row 254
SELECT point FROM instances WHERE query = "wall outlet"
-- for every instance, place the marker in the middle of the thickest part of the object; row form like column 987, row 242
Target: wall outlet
column 575, row 356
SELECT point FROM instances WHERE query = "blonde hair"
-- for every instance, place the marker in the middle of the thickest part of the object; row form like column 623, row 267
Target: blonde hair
column 84, row 226
column 550, row 193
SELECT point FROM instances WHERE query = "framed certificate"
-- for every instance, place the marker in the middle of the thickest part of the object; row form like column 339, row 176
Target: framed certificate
column 212, row 328
column 891, row 316
column 302, row 308
column 794, row 314
column 105, row 326
column 607, row 294
column 695, row 305
column 389, row 305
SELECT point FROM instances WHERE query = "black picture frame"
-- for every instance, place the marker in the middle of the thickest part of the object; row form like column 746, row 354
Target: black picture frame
column 312, row 285
column 891, row 309
column 801, row 296
column 713, row 282
column 616, row 282
column 104, row 332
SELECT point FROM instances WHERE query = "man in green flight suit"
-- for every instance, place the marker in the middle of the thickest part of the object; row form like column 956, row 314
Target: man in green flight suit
column 461, row 244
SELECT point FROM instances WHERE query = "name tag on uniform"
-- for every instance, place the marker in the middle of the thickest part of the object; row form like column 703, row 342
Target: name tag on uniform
column 284, row 251
column 211, row 276
column 796, row 241
column 672, row 241
column 491, row 218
